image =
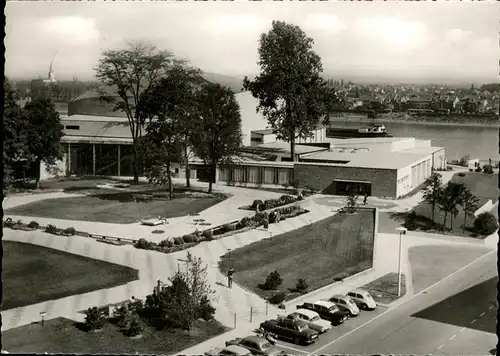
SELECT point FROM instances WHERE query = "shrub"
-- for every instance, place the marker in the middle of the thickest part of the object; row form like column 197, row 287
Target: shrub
column 93, row 319
column 8, row 222
column 265, row 222
column 271, row 203
column 178, row 241
column 208, row 235
column 277, row 298
column 256, row 203
column 51, row 229
column 70, row 231
column 135, row 327
column 122, row 316
column 206, row 311
column 190, row 238
column 478, row 169
column 34, row 225
column 301, row 285
column 488, row 169
column 167, row 243
column 273, row 281
column 462, row 174
column 227, row 228
column 145, row 244
column 245, row 222
column 485, row 224
column 287, row 199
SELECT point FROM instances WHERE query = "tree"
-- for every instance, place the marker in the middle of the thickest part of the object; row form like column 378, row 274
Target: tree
column 352, row 200
column 433, row 187
column 218, row 136
column 44, row 133
column 451, row 196
column 485, row 224
column 169, row 108
column 292, row 95
column 15, row 134
column 128, row 73
column 469, row 205
column 93, row 319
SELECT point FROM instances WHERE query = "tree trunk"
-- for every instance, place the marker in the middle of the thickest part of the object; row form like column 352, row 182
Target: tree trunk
column 38, row 163
column 186, row 165
column 444, row 222
column 465, row 220
column 451, row 221
column 213, row 170
column 135, row 166
column 292, row 148
column 169, row 176
column 433, row 209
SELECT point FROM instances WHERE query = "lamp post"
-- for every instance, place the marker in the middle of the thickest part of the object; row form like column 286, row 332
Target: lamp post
column 43, row 317
column 229, row 253
column 402, row 231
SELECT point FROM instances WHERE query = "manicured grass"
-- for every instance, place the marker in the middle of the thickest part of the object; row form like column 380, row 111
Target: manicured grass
column 387, row 223
column 430, row 264
column 384, row 290
column 482, row 186
column 63, row 336
column 120, row 208
column 33, row 274
column 333, row 248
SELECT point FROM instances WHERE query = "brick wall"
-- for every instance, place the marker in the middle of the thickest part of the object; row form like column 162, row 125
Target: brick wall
column 319, row 176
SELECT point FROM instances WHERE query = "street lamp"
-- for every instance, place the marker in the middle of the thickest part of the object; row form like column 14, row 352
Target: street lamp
column 402, row 231
column 43, row 317
column 229, row 251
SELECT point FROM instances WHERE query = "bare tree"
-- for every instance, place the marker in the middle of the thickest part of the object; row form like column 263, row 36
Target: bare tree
column 127, row 73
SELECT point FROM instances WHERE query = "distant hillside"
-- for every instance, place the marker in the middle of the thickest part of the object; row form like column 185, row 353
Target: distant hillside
column 234, row 83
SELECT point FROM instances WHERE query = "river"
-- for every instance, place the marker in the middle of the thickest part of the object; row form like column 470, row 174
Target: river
column 476, row 141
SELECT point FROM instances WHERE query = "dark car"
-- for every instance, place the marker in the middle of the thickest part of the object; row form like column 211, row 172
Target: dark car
column 257, row 346
column 326, row 310
column 296, row 331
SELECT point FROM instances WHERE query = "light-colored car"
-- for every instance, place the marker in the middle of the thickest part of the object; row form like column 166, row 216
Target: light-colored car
column 363, row 299
column 345, row 302
column 232, row 350
column 312, row 319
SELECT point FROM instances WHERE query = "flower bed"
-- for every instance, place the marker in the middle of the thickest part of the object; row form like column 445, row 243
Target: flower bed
column 33, row 225
column 272, row 203
column 245, row 224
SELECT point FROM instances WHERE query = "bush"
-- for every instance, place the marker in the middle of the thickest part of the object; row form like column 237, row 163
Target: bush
column 245, row 222
column 34, row 225
column 265, row 222
column 122, row 316
column 227, row 228
column 462, row 174
column 142, row 244
column 178, row 241
column 93, row 319
column 206, row 311
column 478, row 169
column 301, row 285
column 51, row 229
column 485, row 224
column 287, row 199
column 256, row 203
column 135, row 327
column 271, row 203
column 190, row 238
column 8, row 222
column 277, row 298
column 273, row 281
column 167, row 243
column 70, row 231
column 488, row 169
column 208, row 235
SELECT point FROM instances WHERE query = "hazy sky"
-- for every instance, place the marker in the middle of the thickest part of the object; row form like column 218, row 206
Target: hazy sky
column 391, row 39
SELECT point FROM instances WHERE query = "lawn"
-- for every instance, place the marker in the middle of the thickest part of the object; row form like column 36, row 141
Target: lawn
column 33, row 274
column 64, row 337
column 481, row 185
column 330, row 249
column 384, row 290
column 430, row 264
column 119, row 207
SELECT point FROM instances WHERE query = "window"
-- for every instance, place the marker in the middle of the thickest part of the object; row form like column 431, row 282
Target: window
column 72, row 127
column 343, row 302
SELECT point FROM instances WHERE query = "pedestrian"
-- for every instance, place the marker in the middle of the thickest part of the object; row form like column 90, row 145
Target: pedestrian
column 230, row 273
column 365, row 200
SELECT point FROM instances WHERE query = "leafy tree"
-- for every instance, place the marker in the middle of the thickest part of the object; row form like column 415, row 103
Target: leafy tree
column 128, row 73
column 469, row 205
column 44, row 133
column 432, row 191
column 218, row 134
column 292, row 95
column 15, row 134
column 352, row 200
column 122, row 316
column 451, row 197
column 93, row 319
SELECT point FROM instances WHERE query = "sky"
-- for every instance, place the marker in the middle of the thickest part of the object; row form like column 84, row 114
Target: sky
column 393, row 40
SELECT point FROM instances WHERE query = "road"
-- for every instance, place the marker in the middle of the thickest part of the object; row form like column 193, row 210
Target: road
column 457, row 316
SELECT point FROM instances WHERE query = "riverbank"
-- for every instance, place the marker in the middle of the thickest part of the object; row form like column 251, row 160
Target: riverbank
column 410, row 121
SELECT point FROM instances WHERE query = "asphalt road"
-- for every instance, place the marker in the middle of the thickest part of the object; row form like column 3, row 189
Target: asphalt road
column 457, row 316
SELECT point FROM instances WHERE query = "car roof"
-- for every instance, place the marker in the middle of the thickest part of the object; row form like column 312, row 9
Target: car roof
column 324, row 303
column 360, row 291
column 237, row 349
column 254, row 338
column 339, row 296
column 306, row 312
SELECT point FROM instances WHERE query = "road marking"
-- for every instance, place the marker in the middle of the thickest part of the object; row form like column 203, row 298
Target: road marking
column 462, row 329
column 290, row 348
column 482, row 314
column 454, row 336
column 440, row 346
column 317, row 351
column 473, row 321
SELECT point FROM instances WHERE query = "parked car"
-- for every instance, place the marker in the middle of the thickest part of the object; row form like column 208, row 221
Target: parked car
column 363, row 299
column 293, row 330
column 256, row 345
column 326, row 310
column 345, row 302
column 231, row 350
column 312, row 319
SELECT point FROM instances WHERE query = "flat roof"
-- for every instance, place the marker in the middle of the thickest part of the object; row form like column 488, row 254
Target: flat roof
column 95, row 139
column 263, row 131
column 369, row 140
column 367, row 159
column 284, row 147
column 93, row 118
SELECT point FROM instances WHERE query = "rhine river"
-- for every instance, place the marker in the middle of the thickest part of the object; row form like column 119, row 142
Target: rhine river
column 476, row 141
